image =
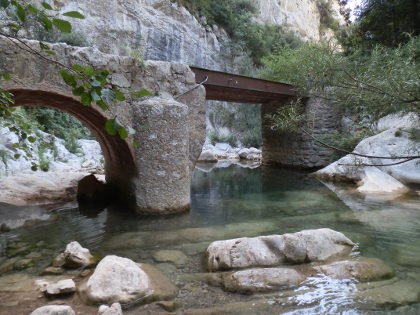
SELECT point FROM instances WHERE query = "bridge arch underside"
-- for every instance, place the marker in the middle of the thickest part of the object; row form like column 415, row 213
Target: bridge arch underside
column 118, row 155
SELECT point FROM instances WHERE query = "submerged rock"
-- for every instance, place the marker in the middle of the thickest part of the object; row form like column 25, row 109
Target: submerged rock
column 114, row 309
column 174, row 256
column 54, row 310
column 262, row 280
column 273, row 250
column 363, row 269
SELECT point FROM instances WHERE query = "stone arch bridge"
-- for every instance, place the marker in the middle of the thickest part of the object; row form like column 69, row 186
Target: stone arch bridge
column 170, row 126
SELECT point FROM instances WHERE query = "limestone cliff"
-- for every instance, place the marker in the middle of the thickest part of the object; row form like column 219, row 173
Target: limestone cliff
column 158, row 29
column 163, row 30
column 299, row 16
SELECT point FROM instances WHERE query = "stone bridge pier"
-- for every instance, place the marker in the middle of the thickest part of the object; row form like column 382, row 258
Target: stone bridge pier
column 156, row 176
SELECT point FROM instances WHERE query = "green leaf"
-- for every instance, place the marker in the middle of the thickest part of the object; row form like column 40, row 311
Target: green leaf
column 102, row 105
column 31, row 139
column 74, row 14
column 32, row 9
column 46, row 5
column 119, row 96
column 95, row 96
column 111, row 127
column 86, row 99
column 21, row 14
column 62, row 25
column 136, row 144
column 46, row 22
column 123, row 133
column 78, row 91
column 16, row 156
column 68, row 78
column 78, row 68
column 5, row 75
column 141, row 93
column 88, row 70
column 34, row 167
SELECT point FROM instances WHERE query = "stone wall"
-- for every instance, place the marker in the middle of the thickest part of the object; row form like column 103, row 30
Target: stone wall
column 299, row 150
column 171, row 132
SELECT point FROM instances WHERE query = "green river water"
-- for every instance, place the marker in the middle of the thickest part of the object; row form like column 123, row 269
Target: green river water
column 234, row 202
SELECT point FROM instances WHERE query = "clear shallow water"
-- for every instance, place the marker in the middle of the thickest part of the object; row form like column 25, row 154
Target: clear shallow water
column 235, row 202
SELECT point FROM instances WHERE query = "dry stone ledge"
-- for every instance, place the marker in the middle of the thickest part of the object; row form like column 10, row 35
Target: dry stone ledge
column 265, row 251
column 54, row 310
column 262, row 280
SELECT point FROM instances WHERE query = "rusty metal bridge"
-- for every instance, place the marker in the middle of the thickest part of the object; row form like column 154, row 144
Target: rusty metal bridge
column 221, row 86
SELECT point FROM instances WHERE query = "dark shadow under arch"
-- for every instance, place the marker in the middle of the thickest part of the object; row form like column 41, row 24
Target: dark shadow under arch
column 120, row 167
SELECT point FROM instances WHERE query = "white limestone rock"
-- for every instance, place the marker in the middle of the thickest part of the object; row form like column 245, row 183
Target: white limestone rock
column 262, row 280
column 76, row 256
column 117, row 279
column 381, row 179
column 61, row 287
column 274, row 250
column 114, row 309
column 54, row 310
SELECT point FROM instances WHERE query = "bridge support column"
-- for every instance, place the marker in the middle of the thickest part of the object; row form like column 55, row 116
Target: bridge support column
column 299, row 150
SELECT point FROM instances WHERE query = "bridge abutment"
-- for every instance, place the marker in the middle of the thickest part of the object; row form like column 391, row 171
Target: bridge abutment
column 299, row 150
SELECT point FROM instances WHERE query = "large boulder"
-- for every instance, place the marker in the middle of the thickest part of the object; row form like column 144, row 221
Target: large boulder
column 262, row 280
column 274, row 250
column 373, row 175
column 117, row 279
column 54, row 310
column 121, row 280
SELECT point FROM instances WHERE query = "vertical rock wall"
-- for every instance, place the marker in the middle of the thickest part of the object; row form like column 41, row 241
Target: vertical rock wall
column 299, row 150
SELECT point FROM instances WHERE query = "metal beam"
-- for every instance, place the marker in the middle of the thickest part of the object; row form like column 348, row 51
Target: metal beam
column 221, row 86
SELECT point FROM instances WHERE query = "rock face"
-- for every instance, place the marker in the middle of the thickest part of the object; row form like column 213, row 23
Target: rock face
column 262, row 280
column 75, row 256
column 300, row 247
column 117, row 279
column 223, row 151
column 299, row 16
column 54, row 310
column 395, row 141
column 153, row 29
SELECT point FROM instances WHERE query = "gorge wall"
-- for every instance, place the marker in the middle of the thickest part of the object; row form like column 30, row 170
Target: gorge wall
column 164, row 30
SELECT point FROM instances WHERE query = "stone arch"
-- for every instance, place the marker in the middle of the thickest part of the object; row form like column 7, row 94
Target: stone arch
column 120, row 166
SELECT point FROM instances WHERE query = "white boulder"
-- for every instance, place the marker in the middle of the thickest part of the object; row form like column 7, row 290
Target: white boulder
column 274, row 250
column 54, row 310
column 117, row 279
